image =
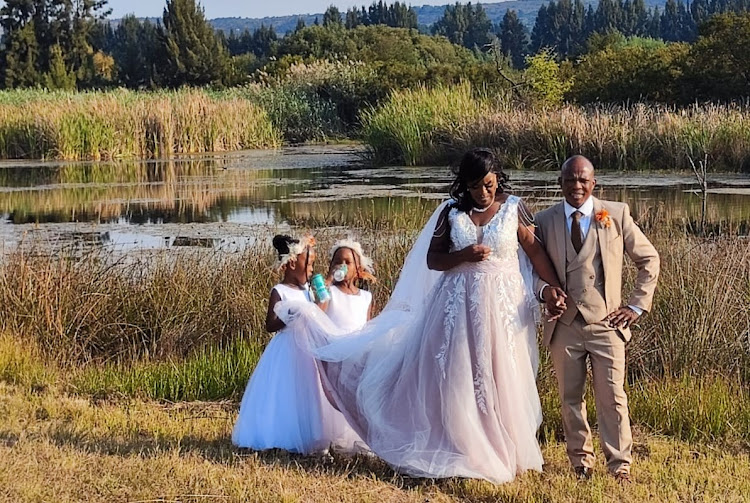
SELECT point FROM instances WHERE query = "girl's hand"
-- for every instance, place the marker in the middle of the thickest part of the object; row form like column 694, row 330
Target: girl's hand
column 475, row 253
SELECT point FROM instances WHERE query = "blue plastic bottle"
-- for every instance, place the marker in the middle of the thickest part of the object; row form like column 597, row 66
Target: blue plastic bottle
column 319, row 288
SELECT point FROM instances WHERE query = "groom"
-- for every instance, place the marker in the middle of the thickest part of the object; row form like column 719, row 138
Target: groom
column 586, row 239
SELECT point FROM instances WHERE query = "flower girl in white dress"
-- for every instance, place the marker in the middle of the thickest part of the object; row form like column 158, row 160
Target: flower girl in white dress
column 350, row 307
column 284, row 406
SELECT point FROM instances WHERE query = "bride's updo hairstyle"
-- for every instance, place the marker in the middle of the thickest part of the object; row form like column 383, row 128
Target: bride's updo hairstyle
column 475, row 165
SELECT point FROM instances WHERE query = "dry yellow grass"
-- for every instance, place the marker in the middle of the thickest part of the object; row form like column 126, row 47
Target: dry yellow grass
column 63, row 448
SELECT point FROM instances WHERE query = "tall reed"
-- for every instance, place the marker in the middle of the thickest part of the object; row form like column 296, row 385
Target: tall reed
column 424, row 126
column 97, row 308
column 412, row 125
column 126, row 124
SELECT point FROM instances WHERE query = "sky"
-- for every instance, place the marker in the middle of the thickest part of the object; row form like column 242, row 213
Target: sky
column 247, row 8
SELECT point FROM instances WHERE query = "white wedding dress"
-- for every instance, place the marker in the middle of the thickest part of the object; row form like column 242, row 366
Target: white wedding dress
column 442, row 382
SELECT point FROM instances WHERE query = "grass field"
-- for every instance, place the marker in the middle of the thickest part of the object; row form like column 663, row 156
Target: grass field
column 66, row 448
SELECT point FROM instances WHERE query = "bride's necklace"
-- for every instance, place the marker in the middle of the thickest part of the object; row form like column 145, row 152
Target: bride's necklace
column 482, row 210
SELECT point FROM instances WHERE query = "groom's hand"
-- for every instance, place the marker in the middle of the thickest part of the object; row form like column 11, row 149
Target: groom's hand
column 622, row 318
column 554, row 302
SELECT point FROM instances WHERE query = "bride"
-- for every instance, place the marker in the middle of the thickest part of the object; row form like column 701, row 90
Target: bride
column 442, row 382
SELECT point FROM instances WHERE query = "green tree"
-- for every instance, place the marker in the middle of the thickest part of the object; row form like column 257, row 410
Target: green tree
column 377, row 13
column 135, row 50
column 193, row 52
column 720, row 58
column 546, row 82
column 631, row 69
column 402, row 16
column 33, row 28
column 561, row 26
column 396, row 15
column 514, row 38
column 263, row 42
column 466, row 25
column 677, row 23
column 355, row 17
column 59, row 76
column 332, row 18
column 21, row 58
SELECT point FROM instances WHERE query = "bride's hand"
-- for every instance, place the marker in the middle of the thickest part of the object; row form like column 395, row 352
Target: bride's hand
column 475, row 253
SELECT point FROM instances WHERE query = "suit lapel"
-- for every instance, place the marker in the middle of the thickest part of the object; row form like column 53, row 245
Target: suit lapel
column 559, row 238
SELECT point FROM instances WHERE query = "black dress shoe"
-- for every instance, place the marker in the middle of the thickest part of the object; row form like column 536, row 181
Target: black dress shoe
column 583, row 472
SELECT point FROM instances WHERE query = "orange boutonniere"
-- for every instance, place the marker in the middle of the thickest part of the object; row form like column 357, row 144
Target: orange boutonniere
column 604, row 219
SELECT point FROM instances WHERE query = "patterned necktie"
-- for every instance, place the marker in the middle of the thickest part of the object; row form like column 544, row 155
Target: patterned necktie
column 575, row 232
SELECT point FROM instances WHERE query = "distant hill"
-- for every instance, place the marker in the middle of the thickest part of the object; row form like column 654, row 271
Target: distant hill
column 426, row 15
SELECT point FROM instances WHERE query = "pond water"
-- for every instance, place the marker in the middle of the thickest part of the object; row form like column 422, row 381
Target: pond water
column 219, row 201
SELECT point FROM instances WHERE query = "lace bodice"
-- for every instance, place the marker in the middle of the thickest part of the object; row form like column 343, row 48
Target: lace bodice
column 500, row 233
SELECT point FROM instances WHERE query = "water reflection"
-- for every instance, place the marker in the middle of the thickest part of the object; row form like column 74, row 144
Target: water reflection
column 214, row 201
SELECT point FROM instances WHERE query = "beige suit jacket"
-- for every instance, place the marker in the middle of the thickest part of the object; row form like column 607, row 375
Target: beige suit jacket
column 622, row 236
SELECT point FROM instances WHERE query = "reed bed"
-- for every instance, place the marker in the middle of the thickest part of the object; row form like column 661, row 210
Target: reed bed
column 413, row 124
column 96, row 308
column 126, row 124
column 424, row 126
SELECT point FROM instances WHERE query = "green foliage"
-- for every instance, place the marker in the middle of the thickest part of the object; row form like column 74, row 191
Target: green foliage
column 136, row 49
column 401, row 58
column 21, row 58
column 301, row 115
column 720, row 59
column 676, row 23
column 466, row 25
column 396, row 15
column 58, row 76
column 241, row 69
column 631, row 72
column 546, row 82
column 562, row 26
column 194, row 55
column 332, row 18
column 514, row 39
column 46, row 40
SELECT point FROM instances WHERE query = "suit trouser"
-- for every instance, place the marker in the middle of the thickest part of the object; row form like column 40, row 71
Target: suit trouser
column 605, row 348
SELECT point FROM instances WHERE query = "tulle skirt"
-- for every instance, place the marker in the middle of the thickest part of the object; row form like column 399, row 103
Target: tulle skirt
column 283, row 406
column 446, row 392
